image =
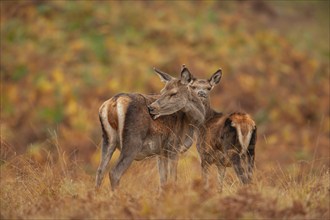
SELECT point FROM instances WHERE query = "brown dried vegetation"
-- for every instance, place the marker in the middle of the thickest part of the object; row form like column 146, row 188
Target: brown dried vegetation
column 31, row 190
column 60, row 60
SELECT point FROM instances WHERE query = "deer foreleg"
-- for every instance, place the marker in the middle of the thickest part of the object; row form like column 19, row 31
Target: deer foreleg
column 172, row 169
column 205, row 174
column 221, row 176
column 162, row 168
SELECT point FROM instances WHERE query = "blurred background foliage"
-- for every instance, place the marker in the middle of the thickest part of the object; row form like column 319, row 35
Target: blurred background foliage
column 61, row 59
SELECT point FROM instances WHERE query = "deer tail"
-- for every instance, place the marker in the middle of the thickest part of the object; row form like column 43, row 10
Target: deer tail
column 244, row 128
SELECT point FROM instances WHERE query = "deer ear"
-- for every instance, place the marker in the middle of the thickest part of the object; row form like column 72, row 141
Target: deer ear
column 164, row 77
column 216, row 77
column 186, row 76
column 183, row 66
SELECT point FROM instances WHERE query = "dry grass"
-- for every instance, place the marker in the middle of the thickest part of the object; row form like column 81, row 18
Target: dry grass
column 60, row 60
column 53, row 190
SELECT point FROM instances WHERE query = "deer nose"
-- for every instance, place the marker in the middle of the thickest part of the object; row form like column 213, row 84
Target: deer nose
column 150, row 108
column 201, row 93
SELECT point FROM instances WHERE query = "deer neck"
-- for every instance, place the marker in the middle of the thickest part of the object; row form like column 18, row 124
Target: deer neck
column 208, row 110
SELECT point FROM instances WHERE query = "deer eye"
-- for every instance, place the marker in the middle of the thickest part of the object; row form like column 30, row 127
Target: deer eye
column 193, row 87
column 209, row 88
column 173, row 94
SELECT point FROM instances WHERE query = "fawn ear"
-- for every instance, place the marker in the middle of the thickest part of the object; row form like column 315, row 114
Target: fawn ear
column 216, row 77
column 164, row 77
column 186, row 76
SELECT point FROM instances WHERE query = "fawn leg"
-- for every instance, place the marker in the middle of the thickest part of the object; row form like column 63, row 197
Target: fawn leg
column 221, row 176
column 205, row 174
column 237, row 164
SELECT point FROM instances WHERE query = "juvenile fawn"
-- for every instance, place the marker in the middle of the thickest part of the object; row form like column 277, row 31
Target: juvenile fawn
column 223, row 140
column 127, row 124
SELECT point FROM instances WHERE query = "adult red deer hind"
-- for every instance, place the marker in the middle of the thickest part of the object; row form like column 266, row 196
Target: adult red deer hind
column 127, row 125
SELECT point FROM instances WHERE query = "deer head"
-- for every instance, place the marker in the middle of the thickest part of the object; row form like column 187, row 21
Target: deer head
column 202, row 87
column 174, row 96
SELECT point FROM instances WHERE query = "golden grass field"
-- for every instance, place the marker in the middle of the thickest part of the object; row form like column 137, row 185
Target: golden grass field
column 64, row 190
column 60, row 60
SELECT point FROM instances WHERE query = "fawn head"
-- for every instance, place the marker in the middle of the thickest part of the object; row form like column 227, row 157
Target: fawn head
column 202, row 87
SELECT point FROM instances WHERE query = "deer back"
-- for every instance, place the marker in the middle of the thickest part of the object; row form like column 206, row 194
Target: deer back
column 127, row 115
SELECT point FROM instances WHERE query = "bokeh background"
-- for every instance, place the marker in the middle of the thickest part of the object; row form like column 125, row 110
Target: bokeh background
column 61, row 59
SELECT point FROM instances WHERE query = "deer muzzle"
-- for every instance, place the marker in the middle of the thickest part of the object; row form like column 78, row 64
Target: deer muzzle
column 152, row 112
column 202, row 94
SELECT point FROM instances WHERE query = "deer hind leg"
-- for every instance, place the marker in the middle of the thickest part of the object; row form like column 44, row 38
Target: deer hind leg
column 221, row 176
column 250, row 165
column 237, row 164
column 130, row 148
column 251, row 154
column 109, row 144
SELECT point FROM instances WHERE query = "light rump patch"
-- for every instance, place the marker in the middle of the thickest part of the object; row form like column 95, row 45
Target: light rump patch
column 244, row 138
column 104, row 117
column 122, row 105
column 111, row 106
column 244, row 126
